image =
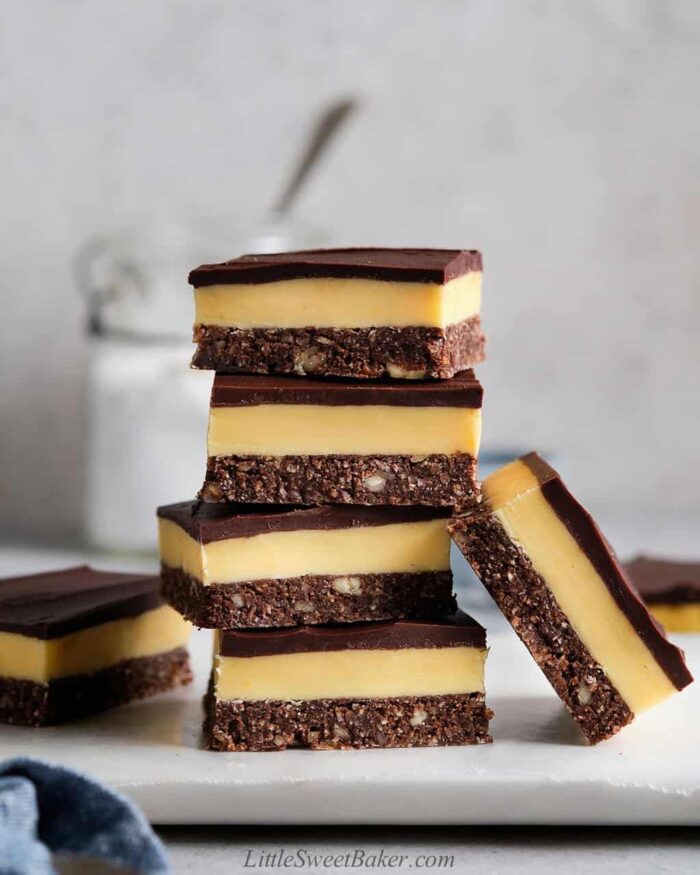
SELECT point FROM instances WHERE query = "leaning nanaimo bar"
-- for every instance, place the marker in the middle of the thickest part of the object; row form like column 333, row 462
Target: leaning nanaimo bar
column 226, row 566
column 395, row 684
column 553, row 575
column 78, row 641
column 286, row 440
column 670, row 589
column 406, row 313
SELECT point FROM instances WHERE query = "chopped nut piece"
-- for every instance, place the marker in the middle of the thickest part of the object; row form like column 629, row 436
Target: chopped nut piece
column 348, row 585
column 212, row 492
column 308, row 361
column 419, row 717
column 377, row 482
column 399, row 373
column 585, row 693
column 303, row 607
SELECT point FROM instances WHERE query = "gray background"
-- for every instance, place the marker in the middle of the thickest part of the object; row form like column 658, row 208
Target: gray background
column 561, row 138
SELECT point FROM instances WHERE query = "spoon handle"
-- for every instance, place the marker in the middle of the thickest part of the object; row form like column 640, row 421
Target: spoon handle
column 323, row 132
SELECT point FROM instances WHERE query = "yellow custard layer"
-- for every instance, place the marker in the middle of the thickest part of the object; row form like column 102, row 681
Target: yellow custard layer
column 90, row 650
column 309, row 430
column 396, row 548
column 351, row 674
column 516, row 499
column 677, row 618
column 338, row 303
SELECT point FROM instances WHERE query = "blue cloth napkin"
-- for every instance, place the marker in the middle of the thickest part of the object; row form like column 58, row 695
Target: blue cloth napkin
column 46, row 809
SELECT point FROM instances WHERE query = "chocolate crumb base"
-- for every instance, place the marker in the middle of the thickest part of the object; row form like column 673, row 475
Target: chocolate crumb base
column 342, row 724
column 530, row 607
column 310, row 599
column 436, row 480
column 342, row 352
column 34, row 704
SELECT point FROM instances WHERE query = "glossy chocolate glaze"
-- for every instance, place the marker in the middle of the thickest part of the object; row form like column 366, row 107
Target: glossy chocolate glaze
column 237, row 390
column 457, row 630
column 390, row 265
column 210, row 521
column 665, row 580
column 57, row 603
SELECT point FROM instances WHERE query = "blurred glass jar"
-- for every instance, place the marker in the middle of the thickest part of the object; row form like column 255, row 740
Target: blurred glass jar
column 146, row 409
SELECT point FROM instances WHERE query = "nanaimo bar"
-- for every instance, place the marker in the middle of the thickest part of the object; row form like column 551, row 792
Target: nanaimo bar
column 288, row 440
column 394, row 684
column 670, row 589
column 555, row 578
column 79, row 641
column 405, row 313
column 226, row 566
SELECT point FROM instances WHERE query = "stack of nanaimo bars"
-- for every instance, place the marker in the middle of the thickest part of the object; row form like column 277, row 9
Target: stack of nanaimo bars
column 344, row 429
column 343, row 436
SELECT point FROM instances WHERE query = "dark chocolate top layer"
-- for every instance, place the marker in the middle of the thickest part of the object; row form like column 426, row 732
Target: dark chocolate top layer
column 206, row 522
column 457, row 630
column 391, row 265
column 237, row 390
column 60, row 602
column 592, row 542
column 665, row 580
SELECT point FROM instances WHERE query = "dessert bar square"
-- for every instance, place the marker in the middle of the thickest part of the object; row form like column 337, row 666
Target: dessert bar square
column 556, row 579
column 287, row 440
column 407, row 313
column 670, row 589
column 395, row 684
column 78, row 641
column 227, row 566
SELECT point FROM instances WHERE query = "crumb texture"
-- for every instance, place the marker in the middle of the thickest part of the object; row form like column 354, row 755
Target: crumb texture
column 436, row 480
column 64, row 699
column 535, row 615
column 412, row 352
column 337, row 724
column 309, row 600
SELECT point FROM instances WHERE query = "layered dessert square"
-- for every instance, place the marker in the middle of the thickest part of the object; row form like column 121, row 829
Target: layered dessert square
column 394, row 684
column 670, row 589
column 287, row 440
column 227, row 566
column 406, row 313
column 555, row 578
column 78, row 641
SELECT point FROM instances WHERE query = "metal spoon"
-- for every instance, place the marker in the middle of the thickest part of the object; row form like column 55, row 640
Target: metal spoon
column 326, row 127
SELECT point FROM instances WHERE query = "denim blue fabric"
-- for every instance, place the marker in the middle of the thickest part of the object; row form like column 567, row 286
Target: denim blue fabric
column 47, row 809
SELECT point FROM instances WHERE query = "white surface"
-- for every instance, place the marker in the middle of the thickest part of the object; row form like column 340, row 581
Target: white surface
column 538, row 771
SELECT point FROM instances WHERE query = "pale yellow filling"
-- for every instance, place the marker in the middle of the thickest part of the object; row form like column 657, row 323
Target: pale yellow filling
column 353, row 674
column 396, row 548
column 610, row 638
column 308, row 430
column 338, row 303
column 90, row 650
column 677, row 618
